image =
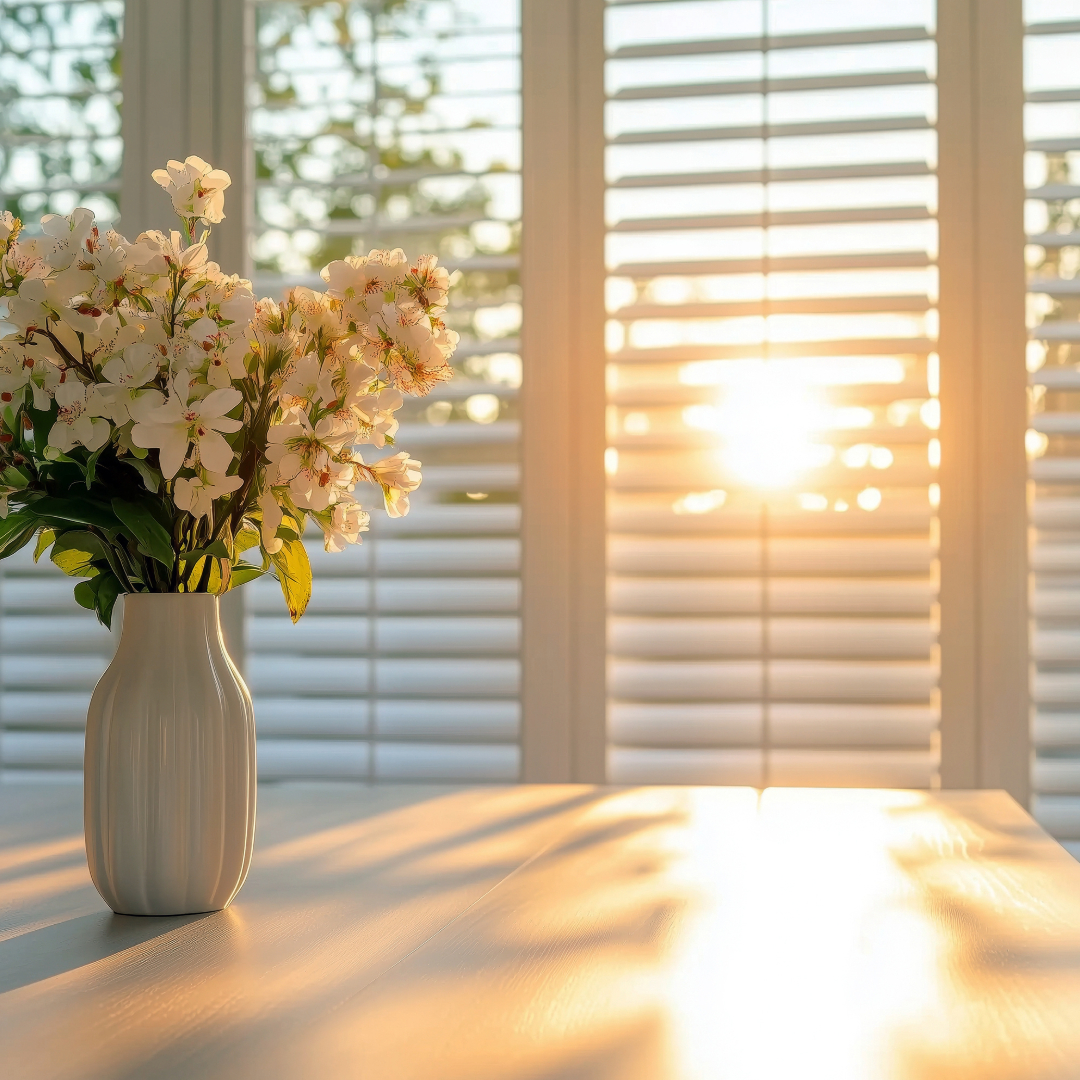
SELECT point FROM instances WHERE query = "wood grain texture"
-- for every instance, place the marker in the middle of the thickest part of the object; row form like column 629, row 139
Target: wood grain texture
column 560, row 932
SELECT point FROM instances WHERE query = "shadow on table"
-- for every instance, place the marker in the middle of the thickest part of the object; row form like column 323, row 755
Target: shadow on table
column 357, row 929
column 65, row 946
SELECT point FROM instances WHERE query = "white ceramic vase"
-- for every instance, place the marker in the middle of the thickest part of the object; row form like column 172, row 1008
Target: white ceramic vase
column 169, row 797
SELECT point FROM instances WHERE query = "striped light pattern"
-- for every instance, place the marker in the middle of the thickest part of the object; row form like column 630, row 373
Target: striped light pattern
column 1052, row 173
column 772, row 392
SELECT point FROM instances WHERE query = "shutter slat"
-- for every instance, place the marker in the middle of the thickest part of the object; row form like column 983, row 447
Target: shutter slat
column 786, row 637
column 877, row 36
column 862, row 171
column 859, row 80
column 833, row 305
column 42, row 749
column 885, row 260
column 853, row 768
column 438, row 761
column 630, row 765
column 779, row 217
column 1055, row 239
column 1059, row 815
column 773, row 131
column 723, row 596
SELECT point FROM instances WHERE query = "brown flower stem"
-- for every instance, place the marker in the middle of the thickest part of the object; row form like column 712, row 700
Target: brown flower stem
column 78, row 365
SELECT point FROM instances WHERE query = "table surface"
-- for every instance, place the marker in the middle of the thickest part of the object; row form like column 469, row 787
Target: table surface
column 547, row 932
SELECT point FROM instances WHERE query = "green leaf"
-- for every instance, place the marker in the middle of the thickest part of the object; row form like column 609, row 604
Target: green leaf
column 45, row 538
column 99, row 594
column 154, row 540
column 247, row 537
column 17, row 530
column 14, row 478
column 123, row 440
column 91, row 464
column 217, row 549
column 151, row 478
column 294, row 574
column 242, row 573
column 75, row 551
column 79, row 511
column 43, row 422
column 108, row 589
column 228, row 540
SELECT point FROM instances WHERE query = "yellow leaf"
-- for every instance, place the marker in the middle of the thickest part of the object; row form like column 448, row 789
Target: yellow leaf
column 294, row 574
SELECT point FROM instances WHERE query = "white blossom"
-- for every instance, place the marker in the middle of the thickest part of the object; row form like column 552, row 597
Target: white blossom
column 197, row 190
column 271, row 519
column 178, row 425
column 76, row 422
column 428, row 283
column 44, row 300
column 126, row 393
column 398, row 476
column 347, row 522
column 149, row 346
column 196, row 494
column 14, row 372
column 375, row 413
column 358, row 277
column 303, row 458
column 70, row 236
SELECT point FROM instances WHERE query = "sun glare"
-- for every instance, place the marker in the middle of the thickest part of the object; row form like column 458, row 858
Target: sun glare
column 769, row 419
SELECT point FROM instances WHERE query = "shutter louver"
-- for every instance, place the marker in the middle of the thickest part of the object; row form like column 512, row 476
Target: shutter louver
column 401, row 128
column 772, row 392
column 60, row 148
column 1052, row 219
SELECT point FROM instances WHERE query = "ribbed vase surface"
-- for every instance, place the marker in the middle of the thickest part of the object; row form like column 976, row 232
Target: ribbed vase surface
column 169, row 797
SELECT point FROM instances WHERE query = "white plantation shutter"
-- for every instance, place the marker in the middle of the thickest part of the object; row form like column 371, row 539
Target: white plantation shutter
column 401, row 128
column 60, row 147
column 52, row 652
column 771, row 250
column 1052, row 129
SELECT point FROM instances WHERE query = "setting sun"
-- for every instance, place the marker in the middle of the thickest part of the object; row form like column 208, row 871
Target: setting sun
column 767, row 419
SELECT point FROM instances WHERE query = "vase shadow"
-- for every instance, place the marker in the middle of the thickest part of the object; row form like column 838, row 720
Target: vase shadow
column 74, row 943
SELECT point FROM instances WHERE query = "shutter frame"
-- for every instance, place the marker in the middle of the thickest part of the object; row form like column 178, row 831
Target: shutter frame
column 563, row 704
column 985, row 740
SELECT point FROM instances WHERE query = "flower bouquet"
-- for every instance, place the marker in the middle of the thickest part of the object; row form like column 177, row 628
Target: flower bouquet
column 168, row 437
column 158, row 423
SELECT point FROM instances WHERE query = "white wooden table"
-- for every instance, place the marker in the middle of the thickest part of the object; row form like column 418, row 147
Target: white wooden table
column 559, row 932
